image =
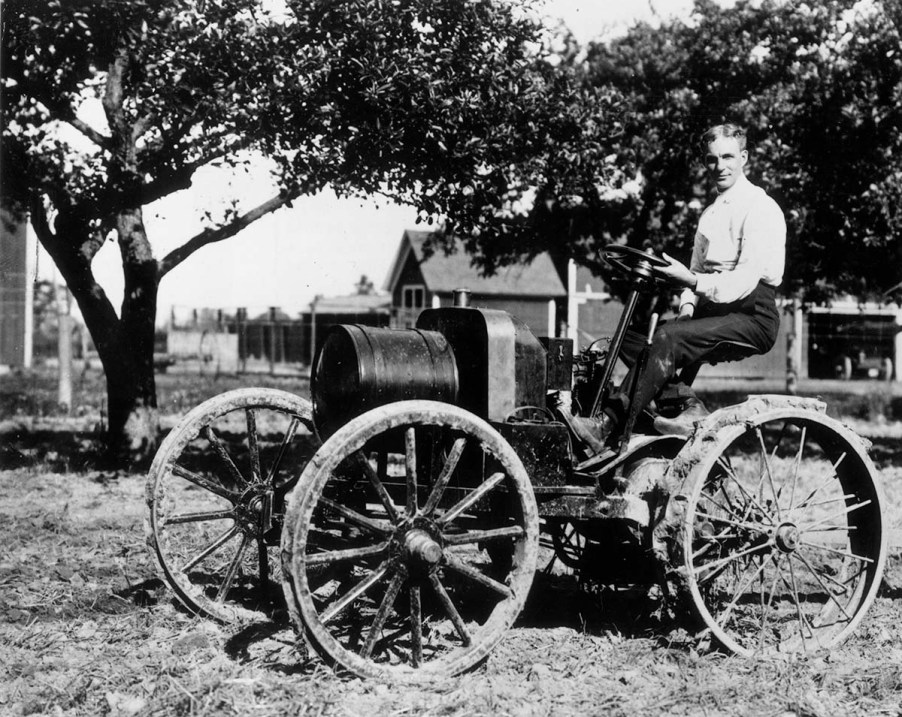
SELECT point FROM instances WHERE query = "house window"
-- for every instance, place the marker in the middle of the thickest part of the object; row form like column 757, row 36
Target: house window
column 413, row 297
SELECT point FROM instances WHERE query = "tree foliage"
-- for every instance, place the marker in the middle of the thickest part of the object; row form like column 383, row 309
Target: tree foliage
column 451, row 106
column 820, row 88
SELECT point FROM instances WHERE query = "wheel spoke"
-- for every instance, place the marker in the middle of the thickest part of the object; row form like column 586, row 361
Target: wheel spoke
column 713, row 541
column 843, row 553
column 740, row 589
column 438, row 489
column 416, row 627
column 730, row 558
column 821, row 582
column 201, row 482
column 478, row 536
column 823, row 484
column 843, row 586
column 471, row 499
column 445, row 599
column 803, row 621
column 199, row 517
column 233, row 569
column 735, row 523
column 253, row 445
column 764, row 512
column 849, row 509
column 283, row 447
column 797, row 468
column 765, row 607
column 378, row 486
column 477, row 577
column 410, row 464
column 338, row 556
column 768, row 471
column 374, row 526
column 355, row 592
column 388, row 600
column 710, row 499
column 224, row 456
column 210, row 549
column 839, row 498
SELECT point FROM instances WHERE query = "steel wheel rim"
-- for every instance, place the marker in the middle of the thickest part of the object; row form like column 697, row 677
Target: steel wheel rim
column 419, row 549
column 778, row 550
column 213, row 532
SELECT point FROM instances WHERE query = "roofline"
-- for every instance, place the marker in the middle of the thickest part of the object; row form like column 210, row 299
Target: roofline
column 394, row 273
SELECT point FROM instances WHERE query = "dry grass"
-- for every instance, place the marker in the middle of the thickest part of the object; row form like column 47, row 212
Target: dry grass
column 86, row 628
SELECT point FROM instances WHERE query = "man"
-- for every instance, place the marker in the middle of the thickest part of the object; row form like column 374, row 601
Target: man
column 727, row 307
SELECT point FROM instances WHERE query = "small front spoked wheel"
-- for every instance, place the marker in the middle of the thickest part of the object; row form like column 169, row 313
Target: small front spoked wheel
column 782, row 540
column 216, row 499
column 383, row 569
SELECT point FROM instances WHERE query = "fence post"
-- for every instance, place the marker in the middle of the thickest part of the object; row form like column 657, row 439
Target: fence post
column 241, row 320
column 794, row 348
column 65, row 362
column 272, row 340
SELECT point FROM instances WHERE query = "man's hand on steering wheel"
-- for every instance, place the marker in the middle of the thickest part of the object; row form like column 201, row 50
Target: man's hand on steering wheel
column 675, row 272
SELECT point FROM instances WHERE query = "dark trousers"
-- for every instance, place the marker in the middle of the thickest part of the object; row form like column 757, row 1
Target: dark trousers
column 721, row 332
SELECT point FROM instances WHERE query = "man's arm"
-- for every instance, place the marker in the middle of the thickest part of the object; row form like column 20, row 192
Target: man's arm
column 761, row 256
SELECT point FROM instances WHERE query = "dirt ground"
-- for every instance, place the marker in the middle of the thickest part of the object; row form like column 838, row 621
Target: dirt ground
column 87, row 628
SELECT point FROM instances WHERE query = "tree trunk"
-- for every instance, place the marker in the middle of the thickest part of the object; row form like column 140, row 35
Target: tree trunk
column 124, row 344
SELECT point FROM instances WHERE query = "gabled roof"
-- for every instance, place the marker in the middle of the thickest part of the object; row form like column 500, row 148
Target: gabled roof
column 444, row 273
column 353, row 304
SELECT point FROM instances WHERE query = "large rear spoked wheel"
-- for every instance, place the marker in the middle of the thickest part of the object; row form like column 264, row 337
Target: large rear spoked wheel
column 216, row 498
column 384, row 573
column 782, row 541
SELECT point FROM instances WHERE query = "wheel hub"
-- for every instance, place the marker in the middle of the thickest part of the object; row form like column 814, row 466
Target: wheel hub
column 788, row 537
column 254, row 510
column 421, row 549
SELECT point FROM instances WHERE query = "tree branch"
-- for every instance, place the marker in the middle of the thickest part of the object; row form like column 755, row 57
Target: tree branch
column 63, row 111
column 112, row 96
column 181, row 178
column 140, row 127
column 211, row 236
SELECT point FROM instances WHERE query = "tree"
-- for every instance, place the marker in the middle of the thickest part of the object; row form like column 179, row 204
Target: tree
column 429, row 103
column 364, row 286
column 817, row 84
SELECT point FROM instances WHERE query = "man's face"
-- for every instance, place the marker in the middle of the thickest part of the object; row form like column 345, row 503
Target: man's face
column 724, row 162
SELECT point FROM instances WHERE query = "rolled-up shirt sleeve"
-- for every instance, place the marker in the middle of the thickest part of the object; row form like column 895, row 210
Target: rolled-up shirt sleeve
column 696, row 265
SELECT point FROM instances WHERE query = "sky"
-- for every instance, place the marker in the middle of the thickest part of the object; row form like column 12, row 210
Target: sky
column 320, row 246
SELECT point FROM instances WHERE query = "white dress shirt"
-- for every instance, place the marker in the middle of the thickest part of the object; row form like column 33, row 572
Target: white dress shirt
column 740, row 240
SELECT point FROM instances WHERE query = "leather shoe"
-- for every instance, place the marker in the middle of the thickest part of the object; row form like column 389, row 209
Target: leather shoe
column 684, row 424
column 590, row 432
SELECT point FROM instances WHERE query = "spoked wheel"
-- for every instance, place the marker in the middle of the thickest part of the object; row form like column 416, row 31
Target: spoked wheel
column 216, row 497
column 783, row 535
column 381, row 544
column 569, row 544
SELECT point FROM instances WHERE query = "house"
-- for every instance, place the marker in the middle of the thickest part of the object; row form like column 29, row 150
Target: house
column 326, row 311
column 531, row 292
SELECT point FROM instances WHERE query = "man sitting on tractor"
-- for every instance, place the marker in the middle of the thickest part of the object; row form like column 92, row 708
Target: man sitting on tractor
column 727, row 307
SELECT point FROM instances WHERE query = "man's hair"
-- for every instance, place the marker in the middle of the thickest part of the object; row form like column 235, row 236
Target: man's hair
column 728, row 130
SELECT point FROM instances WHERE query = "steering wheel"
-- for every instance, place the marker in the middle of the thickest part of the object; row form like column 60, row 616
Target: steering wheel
column 634, row 264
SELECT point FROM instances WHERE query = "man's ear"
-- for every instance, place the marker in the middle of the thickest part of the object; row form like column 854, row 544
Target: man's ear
column 744, row 156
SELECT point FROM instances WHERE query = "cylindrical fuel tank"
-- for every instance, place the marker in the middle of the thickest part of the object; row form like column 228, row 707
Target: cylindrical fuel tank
column 361, row 367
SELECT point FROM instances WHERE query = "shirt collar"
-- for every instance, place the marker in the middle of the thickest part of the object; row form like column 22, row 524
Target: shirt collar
column 736, row 191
